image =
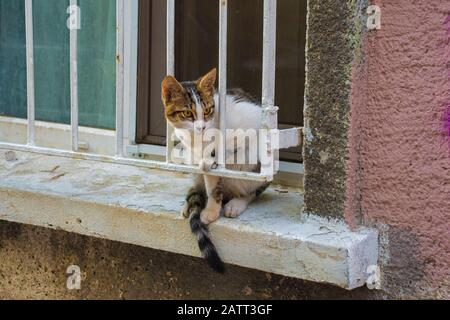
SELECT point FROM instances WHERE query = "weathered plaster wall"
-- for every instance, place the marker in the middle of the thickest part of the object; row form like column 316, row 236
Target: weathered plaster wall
column 335, row 29
column 33, row 263
column 399, row 151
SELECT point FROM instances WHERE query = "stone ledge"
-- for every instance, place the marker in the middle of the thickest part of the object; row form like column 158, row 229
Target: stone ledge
column 140, row 206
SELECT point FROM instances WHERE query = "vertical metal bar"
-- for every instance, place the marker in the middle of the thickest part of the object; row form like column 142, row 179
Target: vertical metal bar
column 223, row 54
column 74, row 81
column 269, row 52
column 119, row 77
column 130, row 73
column 269, row 121
column 171, row 37
column 30, row 72
column 170, row 65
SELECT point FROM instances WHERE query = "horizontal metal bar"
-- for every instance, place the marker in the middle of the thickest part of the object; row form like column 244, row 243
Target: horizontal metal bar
column 159, row 151
column 290, row 138
column 151, row 164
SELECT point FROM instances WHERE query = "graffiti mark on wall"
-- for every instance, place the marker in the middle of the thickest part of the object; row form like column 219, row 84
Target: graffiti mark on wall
column 447, row 23
column 446, row 120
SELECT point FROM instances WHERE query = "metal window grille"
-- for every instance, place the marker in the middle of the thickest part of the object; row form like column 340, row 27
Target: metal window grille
column 288, row 138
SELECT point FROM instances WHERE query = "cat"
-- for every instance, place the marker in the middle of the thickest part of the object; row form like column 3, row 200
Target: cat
column 190, row 107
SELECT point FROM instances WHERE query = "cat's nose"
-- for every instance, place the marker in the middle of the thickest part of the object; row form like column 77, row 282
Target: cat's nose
column 200, row 127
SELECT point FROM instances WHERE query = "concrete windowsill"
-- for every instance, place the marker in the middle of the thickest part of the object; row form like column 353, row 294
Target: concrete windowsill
column 141, row 206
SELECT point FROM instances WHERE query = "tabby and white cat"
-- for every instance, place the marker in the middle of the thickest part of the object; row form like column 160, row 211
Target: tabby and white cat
column 190, row 107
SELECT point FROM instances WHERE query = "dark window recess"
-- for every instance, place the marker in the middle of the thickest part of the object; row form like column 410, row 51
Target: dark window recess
column 197, row 45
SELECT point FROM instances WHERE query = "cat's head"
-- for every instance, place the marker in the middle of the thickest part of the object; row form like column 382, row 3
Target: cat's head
column 190, row 105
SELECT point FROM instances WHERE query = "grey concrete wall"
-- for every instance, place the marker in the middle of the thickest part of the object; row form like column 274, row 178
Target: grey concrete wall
column 335, row 32
column 33, row 262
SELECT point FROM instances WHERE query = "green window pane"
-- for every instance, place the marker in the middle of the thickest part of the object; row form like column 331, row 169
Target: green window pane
column 51, row 60
column 13, row 77
column 97, row 63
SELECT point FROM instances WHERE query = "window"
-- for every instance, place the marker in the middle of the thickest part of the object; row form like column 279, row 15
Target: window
column 84, row 76
column 197, row 51
column 96, row 61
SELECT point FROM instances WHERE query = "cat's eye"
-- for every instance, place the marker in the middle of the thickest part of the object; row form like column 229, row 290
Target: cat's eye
column 208, row 111
column 186, row 114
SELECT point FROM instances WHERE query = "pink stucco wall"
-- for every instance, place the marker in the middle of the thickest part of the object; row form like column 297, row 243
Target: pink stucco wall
column 399, row 164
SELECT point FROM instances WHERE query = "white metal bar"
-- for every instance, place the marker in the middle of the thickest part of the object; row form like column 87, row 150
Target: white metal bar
column 74, row 82
column 269, row 52
column 223, row 55
column 119, row 77
column 30, row 72
column 132, row 162
column 130, row 73
column 170, row 65
column 270, row 119
column 171, row 37
column 290, row 138
column 158, row 151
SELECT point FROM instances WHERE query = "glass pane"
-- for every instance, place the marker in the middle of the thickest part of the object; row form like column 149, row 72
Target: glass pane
column 13, row 78
column 245, row 42
column 290, row 77
column 96, row 61
column 196, row 53
column 157, row 70
column 97, row 64
column 197, row 38
column 51, row 60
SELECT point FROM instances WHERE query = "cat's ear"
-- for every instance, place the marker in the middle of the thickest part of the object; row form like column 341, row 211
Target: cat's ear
column 207, row 83
column 171, row 89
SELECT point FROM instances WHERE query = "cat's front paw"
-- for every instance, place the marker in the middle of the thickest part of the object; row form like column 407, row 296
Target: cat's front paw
column 209, row 216
column 235, row 208
column 207, row 165
column 185, row 211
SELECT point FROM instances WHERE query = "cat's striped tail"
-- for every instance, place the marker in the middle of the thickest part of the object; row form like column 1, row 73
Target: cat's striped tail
column 205, row 244
column 196, row 202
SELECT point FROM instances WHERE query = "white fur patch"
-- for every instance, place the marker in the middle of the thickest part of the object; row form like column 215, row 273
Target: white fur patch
column 236, row 207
